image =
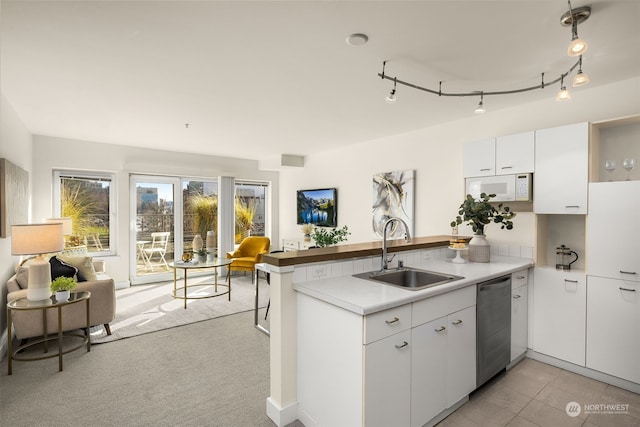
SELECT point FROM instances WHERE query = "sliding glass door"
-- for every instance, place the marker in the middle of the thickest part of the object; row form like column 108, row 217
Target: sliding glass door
column 156, row 233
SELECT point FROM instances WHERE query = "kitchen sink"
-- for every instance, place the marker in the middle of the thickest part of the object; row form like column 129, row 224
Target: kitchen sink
column 409, row 278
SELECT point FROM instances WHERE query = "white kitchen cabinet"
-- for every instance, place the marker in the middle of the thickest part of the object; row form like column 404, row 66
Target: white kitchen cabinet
column 387, row 379
column 479, row 158
column 559, row 314
column 561, row 170
column 289, row 245
column 613, row 327
column 613, row 228
column 515, row 153
column 519, row 313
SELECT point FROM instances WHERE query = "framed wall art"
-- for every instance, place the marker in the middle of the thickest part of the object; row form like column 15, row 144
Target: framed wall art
column 393, row 196
column 14, row 196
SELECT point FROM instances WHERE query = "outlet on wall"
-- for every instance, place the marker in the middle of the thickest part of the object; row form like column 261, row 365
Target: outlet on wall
column 319, row 270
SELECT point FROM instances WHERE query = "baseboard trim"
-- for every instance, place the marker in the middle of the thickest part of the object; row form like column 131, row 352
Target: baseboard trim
column 282, row 415
column 586, row 372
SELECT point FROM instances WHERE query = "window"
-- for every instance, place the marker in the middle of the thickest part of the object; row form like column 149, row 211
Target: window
column 87, row 198
column 250, row 209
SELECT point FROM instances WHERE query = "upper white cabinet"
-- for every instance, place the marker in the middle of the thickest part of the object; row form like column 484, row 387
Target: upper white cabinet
column 561, row 170
column 504, row 155
column 613, row 228
column 515, row 153
column 479, row 158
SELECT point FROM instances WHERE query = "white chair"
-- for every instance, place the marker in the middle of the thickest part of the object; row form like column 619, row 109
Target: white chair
column 159, row 241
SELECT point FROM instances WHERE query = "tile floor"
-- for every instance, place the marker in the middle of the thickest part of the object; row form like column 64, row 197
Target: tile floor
column 536, row 394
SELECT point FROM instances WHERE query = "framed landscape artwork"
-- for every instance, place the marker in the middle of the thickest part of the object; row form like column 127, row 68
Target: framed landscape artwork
column 14, row 196
column 393, row 196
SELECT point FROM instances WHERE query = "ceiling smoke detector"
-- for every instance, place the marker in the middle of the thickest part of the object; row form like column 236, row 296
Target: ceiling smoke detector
column 357, row 39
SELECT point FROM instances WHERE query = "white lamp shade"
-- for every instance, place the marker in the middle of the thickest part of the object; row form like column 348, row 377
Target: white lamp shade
column 67, row 224
column 34, row 239
column 577, row 47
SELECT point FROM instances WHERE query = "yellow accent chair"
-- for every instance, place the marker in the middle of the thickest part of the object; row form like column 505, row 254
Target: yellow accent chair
column 249, row 253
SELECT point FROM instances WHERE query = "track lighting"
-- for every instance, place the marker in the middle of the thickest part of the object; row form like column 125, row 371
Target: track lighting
column 572, row 18
column 480, row 108
column 578, row 46
column 564, row 94
column 391, row 98
column 580, row 78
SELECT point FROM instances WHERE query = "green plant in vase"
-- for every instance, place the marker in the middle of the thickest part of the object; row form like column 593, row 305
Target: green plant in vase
column 62, row 287
column 327, row 237
column 478, row 213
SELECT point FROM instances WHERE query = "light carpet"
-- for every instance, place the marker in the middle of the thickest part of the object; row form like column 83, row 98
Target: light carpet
column 141, row 309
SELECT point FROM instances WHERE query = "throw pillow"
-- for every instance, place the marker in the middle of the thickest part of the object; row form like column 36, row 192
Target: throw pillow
column 61, row 269
column 84, row 266
column 22, row 277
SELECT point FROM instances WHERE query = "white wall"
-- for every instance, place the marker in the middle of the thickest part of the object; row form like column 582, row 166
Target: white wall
column 436, row 155
column 51, row 153
column 16, row 146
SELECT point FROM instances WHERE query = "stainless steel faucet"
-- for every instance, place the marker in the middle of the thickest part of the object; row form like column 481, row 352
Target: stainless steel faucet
column 407, row 237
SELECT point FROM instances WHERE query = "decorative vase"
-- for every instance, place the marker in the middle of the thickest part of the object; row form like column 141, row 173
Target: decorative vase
column 211, row 245
column 202, row 259
column 479, row 249
column 197, row 243
column 307, row 237
column 62, row 296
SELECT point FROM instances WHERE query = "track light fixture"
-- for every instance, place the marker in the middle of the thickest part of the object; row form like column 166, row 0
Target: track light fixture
column 581, row 78
column 480, row 108
column 564, row 94
column 572, row 18
column 391, row 98
column 578, row 46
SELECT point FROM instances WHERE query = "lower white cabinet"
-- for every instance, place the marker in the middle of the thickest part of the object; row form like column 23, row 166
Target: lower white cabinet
column 385, row 369
column 443, row 368
column 613, row 327
column 519, row 313
column 559, row 318
column 289, row 245
column 387, row 375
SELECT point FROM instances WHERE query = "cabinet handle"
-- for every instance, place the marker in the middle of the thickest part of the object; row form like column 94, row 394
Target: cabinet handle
column 389, row 322
column 627, row 272
column 457, row 322
column 485, row 170
column 440, row 329
column 404, row 344
column 520, row 277
column 626, row 289
column 570, row 281
column 516, row 296
column 507, row 167
column 572, row 206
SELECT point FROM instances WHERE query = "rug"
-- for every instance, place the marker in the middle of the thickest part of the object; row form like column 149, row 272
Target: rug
column 142, row 309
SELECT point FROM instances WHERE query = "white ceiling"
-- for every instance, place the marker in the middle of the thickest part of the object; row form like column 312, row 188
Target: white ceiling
column 262, row 77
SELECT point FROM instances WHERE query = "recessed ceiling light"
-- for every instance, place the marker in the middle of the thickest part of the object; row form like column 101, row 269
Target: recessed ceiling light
column 357, row 39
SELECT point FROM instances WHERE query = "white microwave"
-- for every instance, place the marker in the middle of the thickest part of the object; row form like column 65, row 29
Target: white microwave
column 507, row 188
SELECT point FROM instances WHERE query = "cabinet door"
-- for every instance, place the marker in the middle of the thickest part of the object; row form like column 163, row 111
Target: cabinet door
column 559, row 313
column 428, row 370
column 515, row 153
column 613, row 327
column 387, row 381
column 561, row 170
column 461, row 354
column 519, row 301
column 479, row 158
column 613, row 229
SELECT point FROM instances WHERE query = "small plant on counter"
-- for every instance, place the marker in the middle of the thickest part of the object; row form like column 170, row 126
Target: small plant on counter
column 479, row 212
column 201, row 252
column 327, row 237
column 63, row 284
column 307, row 228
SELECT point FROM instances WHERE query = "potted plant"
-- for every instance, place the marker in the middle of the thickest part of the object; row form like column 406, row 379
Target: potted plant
column 478, row 213
column 202, row 255
column 307, row 229
column 327, row 237
column 61, row 286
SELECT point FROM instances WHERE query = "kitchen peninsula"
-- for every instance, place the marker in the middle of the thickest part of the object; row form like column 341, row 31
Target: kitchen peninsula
column 320, row 314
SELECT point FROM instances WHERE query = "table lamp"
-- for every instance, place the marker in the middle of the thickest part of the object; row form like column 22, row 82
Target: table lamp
column 37, row 239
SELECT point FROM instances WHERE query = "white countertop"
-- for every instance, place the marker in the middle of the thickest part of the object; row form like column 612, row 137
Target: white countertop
column 365, row 297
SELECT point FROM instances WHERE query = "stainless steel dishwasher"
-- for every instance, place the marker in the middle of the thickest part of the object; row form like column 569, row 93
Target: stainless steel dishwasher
column 493, row 336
